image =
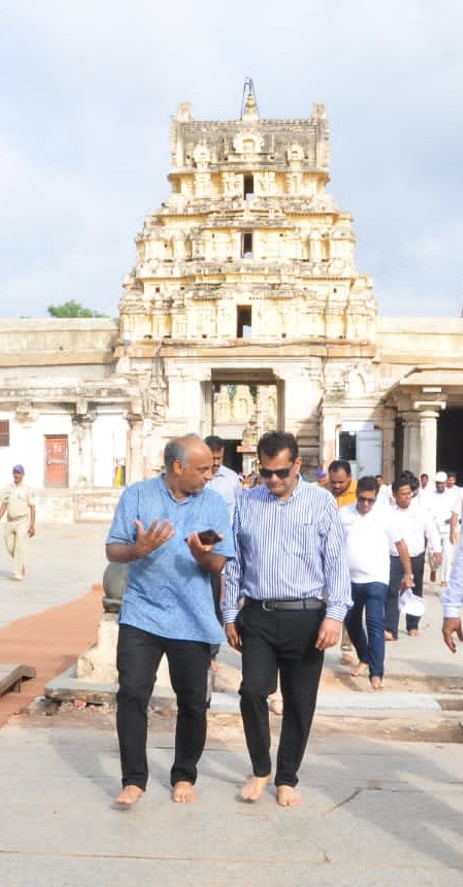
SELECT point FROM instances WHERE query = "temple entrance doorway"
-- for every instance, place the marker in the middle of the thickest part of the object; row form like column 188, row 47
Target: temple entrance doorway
column 244, row 406
column 450, row 442
column 233, row 458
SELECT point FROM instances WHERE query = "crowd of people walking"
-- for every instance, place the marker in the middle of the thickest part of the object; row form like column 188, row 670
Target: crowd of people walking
column 290, row 568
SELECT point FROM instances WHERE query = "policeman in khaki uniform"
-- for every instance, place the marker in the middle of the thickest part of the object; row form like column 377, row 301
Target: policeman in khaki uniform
column 19, row 504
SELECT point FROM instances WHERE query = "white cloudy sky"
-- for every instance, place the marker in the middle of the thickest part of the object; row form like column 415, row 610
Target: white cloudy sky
column 88, row 88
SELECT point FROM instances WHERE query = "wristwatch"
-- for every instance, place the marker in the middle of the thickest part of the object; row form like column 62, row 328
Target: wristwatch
column 408, row 576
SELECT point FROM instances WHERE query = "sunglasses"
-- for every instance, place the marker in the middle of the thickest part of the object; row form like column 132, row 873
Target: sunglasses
column 366, row 500
column 280, row 472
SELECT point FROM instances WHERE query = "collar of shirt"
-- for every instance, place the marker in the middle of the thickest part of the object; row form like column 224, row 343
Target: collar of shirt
column 169, row 492
column 295, row 492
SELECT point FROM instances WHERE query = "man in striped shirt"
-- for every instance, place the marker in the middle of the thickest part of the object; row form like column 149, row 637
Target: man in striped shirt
column 286, row 594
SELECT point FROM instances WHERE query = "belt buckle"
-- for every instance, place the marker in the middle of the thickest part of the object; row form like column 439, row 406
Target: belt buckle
column 268, row 609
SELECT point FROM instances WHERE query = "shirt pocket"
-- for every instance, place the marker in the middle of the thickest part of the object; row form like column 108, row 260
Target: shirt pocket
column 304, row 540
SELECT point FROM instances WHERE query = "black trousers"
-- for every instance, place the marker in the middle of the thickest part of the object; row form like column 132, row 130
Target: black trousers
column 279, row 641
column 391, row 610
column 138, row 656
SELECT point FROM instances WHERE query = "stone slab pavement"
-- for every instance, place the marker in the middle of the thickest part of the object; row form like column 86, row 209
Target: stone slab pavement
column 375, row 814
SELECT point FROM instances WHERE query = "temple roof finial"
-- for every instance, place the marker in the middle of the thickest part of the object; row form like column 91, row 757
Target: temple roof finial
column 249, row 106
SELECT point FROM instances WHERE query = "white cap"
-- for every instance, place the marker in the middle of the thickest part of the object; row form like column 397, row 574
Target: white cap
column 441, row 477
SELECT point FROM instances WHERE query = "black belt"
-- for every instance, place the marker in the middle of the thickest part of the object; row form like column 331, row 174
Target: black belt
column 306, row 603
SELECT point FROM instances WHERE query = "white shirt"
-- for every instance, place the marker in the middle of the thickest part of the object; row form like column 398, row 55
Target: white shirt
column 458, row 493
column 417, row 527
column 452, row 596
column 443, row 505
column 384, row 496
column 424, row 495
column 367, row 538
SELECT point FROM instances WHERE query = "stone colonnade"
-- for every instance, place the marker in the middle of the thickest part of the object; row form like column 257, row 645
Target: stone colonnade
column 420, row 436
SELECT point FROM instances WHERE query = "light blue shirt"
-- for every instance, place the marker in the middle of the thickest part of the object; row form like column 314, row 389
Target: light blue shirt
column 168, row 594
column 291, row 548
column 452, row 597
column 226, row 482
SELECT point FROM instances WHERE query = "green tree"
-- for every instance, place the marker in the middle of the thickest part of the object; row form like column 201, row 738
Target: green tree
column 72, row 309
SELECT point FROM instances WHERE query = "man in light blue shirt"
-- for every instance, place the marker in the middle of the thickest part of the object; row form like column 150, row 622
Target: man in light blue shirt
column 227, row 484
column 224, row 480
column 167, row 608
column 291, row 579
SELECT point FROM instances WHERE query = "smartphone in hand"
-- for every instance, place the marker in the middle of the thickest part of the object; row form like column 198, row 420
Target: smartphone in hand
column 208, row 537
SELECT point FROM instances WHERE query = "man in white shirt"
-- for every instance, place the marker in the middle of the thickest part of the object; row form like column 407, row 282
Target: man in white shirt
column 458, row 491
column 452, row 484
column 424, row 484
column 368, row 531
column 418, row 529
column 451, row 600
column 445, row 507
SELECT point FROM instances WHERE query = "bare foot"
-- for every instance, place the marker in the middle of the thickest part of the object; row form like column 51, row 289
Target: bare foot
column 413, row 633
column 359, row 669
column 287, row 796
column 253, row 788
column 347, row 657
column 183, row 793
column 376, row 683
column 388, row 636
column 129, row 796
column 276, row 705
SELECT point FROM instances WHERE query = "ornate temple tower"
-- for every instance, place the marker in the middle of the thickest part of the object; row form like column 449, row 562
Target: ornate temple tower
column 246, row 276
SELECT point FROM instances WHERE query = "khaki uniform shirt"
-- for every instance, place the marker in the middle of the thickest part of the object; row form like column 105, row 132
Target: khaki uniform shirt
column 19, row 498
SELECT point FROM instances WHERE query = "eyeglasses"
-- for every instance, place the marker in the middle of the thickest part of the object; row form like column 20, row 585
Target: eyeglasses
column 366, row 500
column 280, row 472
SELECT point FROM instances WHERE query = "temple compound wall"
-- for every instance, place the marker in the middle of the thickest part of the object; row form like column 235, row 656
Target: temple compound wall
column 244, row 311
column 64, row 414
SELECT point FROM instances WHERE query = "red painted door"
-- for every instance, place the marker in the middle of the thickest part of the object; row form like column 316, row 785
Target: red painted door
column 56, row 460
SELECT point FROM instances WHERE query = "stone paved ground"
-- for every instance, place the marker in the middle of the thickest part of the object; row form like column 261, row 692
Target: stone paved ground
column 378, row 811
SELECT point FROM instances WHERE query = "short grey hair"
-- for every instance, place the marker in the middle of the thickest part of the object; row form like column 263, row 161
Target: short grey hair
column 177, row 451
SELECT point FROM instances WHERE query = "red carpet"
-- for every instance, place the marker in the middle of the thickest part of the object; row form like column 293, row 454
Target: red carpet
column 51, row 642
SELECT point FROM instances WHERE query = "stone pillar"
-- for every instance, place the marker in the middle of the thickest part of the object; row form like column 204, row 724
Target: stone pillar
column 412, row 442
column 135, row 450
column 81, row 473
column 298, row 402
column 428, row 436
column 328, row 421
column 388, row 428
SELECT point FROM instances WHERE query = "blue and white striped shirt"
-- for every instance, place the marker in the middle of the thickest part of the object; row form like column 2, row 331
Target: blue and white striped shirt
column 287, row 549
